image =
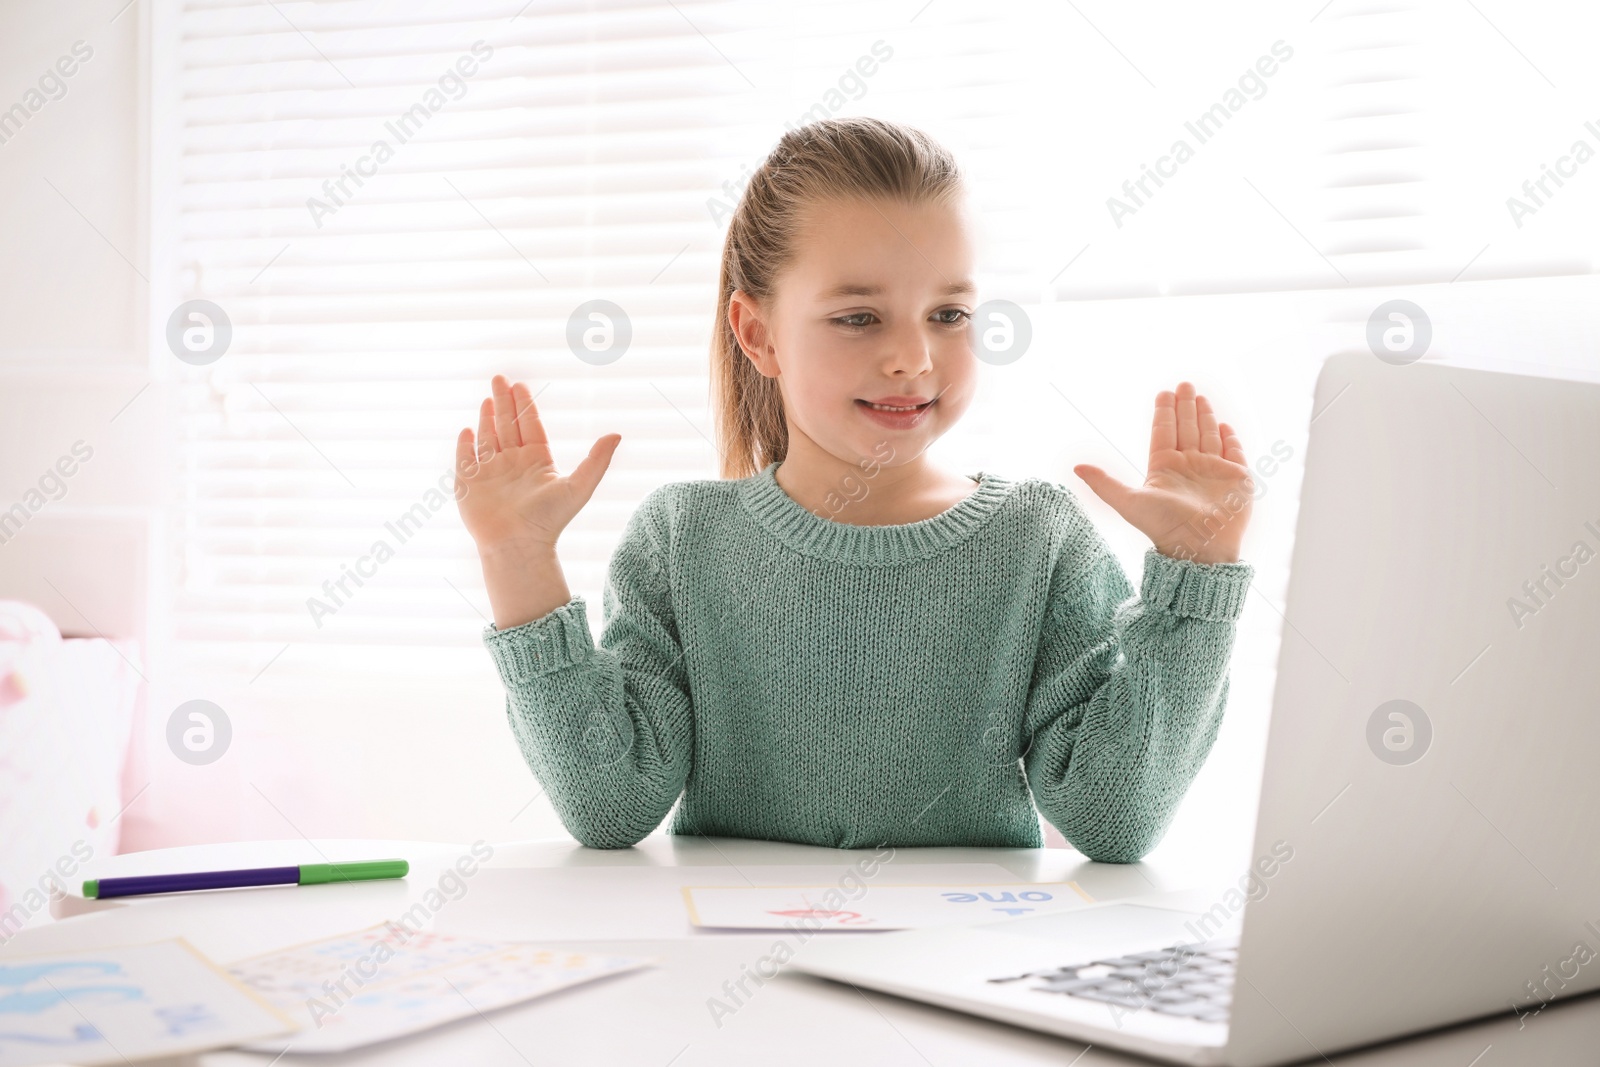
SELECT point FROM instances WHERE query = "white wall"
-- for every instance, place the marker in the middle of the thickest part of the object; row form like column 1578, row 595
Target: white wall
column 72, row 353
column 73, row 364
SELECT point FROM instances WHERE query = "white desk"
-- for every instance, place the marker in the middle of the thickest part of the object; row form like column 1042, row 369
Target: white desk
column 660, row 1016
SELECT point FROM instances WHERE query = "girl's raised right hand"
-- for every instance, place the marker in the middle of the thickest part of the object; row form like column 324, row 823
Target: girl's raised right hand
column 508, row 489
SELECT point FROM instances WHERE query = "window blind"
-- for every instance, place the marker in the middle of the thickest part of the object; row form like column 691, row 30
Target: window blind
column 392, row 201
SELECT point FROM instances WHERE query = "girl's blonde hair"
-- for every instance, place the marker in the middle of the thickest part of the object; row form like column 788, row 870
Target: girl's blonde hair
column 828, row 159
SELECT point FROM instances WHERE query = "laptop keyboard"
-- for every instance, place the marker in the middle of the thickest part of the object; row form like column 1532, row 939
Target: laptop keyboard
column 1190, row 981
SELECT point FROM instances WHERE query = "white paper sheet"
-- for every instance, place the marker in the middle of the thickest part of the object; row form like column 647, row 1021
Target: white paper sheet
column 119, row 1004
column 874, row 907
column 388, row 980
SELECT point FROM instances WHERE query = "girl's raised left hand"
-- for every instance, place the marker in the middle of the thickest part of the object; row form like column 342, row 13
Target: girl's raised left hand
column 1196, row 497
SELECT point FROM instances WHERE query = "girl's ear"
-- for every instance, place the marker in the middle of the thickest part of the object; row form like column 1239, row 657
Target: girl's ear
column 744, row 318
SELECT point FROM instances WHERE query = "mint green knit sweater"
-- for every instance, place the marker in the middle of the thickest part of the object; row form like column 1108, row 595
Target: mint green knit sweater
column 779, row 675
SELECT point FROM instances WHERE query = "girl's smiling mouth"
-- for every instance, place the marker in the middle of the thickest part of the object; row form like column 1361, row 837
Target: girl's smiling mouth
column 896, row 412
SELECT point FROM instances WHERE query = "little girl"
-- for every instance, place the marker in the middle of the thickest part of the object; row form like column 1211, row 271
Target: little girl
column 839, row 643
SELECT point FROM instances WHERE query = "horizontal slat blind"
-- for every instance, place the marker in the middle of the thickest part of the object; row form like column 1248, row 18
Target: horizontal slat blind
column 570, row 165
column 1382, row 151
column 582, row 160
column 588, row 157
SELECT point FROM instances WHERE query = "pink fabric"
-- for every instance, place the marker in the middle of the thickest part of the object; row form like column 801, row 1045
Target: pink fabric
column 67, row 713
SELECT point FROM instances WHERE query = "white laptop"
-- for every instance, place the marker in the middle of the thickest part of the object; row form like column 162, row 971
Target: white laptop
column 1425, row 847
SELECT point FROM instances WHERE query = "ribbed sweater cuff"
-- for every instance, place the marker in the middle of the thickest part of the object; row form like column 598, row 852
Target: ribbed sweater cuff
column 550, row 643
column 1214, row 591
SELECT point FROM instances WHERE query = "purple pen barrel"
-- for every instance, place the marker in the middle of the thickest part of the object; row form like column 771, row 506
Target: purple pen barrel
column 184, row 883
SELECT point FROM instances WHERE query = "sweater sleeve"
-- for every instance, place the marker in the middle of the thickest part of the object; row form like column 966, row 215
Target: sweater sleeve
column 608, row 731
column 1127, row 696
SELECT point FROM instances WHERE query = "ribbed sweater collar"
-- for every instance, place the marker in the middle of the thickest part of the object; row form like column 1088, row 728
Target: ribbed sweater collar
column 813, row 535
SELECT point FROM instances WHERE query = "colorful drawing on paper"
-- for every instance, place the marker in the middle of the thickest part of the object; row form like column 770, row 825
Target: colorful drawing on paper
column 873, row 907
column 113, row 1005
column 809, row 909
column 390, row 980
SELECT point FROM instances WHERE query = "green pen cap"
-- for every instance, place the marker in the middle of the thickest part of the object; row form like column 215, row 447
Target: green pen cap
column 322, row 873
column 91, row 888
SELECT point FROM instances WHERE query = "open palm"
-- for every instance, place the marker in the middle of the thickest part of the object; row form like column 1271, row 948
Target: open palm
column 1197, row 492
column 507, row 487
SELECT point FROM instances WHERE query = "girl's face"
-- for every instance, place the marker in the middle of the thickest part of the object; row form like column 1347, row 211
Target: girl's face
column 867, row 331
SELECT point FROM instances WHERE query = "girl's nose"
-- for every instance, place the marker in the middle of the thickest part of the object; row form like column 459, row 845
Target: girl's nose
column 907, row 352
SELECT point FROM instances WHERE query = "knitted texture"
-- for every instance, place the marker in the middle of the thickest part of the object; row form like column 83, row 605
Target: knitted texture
column 783, row 676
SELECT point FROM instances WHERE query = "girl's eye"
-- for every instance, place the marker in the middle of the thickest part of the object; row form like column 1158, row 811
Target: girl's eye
column 951, row 316
column 858, row 321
